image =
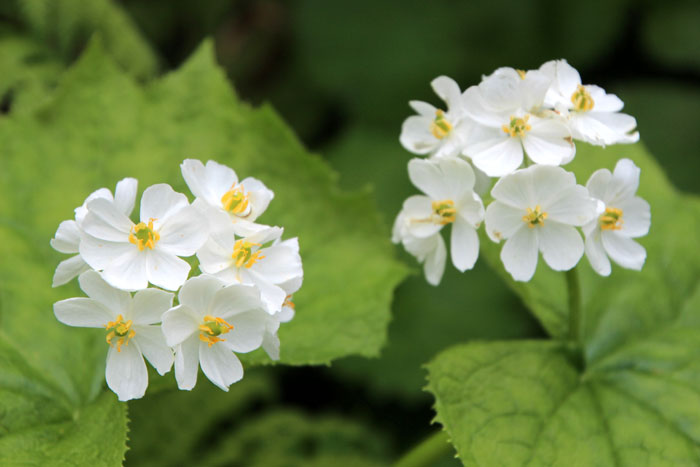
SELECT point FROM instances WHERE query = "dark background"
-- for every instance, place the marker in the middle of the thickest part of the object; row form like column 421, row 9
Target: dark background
column 341, row 74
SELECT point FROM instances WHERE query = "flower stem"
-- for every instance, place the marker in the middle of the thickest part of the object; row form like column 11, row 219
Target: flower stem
column 575, row 315
column 428, row 452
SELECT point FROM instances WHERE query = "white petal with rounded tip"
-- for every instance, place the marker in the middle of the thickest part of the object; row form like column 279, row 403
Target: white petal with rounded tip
column 502, row 221
column 179, row 323
column 166, row 270
column 427, row 177
column 247, row 332
column 220, row 365
column 129, row 271
column 596, row 254
column 471, row 209
column 125, row 195
column 573, row 207
column 416, row 136
column 234, row 299
column 271, row 295
column 603, row 102
column 159, row 202
column 149, row 306
column 82, row 312
column 624, row 183
column 281, row 262
column 67, row 238
column 292, row 285
column 100, row 253
column 214, row 258
column 418, row 214
column 97, row 289
column 219, row 179
column 259, row 195
column 126, row 372
column 448, row 90
column 497, row 157
column 519, row 254
column 464, row 245
column 434, row 266
column 561, row 245
column 597, row 184
column 423, row 108
column 198, row 293
column 549, row 184
column 151, row 341
column 636, row 217
column 271, row 345
column 194, row 173
column 516, row 190
column 546, row 143
column 81, row 211
column 68, row 269
column 623, row 250
column 458, row 178
column 106, row 222
column 187, row 363
column 183, row 233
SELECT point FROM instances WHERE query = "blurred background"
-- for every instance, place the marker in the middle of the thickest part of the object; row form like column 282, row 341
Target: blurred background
column 341, row 75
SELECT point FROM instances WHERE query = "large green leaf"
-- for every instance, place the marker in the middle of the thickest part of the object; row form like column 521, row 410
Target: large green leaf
column 632, row 398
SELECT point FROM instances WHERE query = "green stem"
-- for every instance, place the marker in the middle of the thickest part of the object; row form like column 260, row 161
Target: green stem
column 575, row 315
column 435, row 447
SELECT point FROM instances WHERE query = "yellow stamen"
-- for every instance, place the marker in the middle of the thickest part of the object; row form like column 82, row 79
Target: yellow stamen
column 143, row 235
column 611, row 219
column 288, row 302
column 121, row 330
column 582, row 100
column 517, row 127
column 212, row 328
column 243, row 254
column 521, row 73
column 440, row 127
column 534, row 217
column 236, row 201
column 445, row 211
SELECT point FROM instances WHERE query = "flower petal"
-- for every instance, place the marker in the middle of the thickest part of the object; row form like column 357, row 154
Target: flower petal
column 187, row 363
column 623, row 250
column 434, row 266
column 126, row 372
column 418, row 213
column 597, row 184
column 448, row 90
column 427, row 177
column 497, row 157
column 464, row 245
column 82, row 312
column 149, row 306
column 247, row 332
column 194, row 173
column 160, row 202
column 416, row 136
column 234, row 299
column 259, row 196
column 128, row 271
column 198, row 293
column 97, row 289
column 596, row 255
column 502, row 220
column 183, row 233
column 219, row 179
column 106, row 222
column 152, row 344
column 125, row 195
column 271, row 295
column 561, row 245
column 516, row 190
column 179, row 324
column 519, row 254
column 546, row 143
column 636, row 216
column 271, row 345
column 573, row 207
column 101, row 253
column 624, row 183
column 166, row 270
column 68, row 269
column 213, row 257
column 220, row 365
column 281, row 262
column 67, row 238
column 423, row 108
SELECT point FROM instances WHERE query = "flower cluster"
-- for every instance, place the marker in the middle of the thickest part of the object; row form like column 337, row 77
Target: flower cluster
column 236, row 305
column 518, row 127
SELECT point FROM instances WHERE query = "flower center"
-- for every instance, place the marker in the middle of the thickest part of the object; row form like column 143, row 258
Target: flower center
column 120, row 331
column 534, row 217
column 582, row 100
column 236, row 201
column 440, row 127
column 517, row 126
column 243, row 253
column 611, row 219
column 445, row 211
column 143, row 235
column 212, row 329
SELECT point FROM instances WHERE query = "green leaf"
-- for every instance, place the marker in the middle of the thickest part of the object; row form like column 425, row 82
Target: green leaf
column 632, row 398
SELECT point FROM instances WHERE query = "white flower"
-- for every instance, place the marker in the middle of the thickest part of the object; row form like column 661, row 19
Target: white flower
column 212, row 322
column 132, row 255
column 248, row 260
column 593, row 115
column 434, row 131
column 130, row 327
column 449, row 186
column 626, row 217
column 508, row 107
column 534, row 210
column 217, row 191
column 67, row 238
